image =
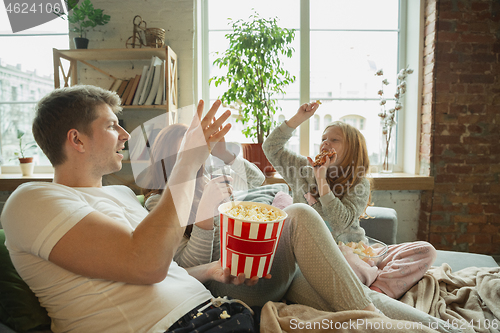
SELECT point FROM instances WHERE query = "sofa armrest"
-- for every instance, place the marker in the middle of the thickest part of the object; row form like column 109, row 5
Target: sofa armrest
column 383, row 224
column 461, row 260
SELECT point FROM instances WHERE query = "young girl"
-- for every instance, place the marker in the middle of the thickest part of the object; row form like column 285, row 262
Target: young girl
column 340, row 192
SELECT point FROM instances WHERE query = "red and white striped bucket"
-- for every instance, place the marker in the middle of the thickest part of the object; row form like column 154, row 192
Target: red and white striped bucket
column 249, row 246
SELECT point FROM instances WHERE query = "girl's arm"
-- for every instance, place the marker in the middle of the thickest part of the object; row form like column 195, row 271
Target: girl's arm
column 304, row 112
column 340, row 214
column 286, row 162
column 196, row 250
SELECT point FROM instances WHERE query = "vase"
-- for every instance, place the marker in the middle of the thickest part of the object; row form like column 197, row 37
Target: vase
column 81, row 43
column 26, row 165
column 388, row 151
column 253, row 152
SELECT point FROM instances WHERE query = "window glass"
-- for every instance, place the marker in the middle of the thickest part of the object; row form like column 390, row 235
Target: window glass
column 354, row 14
column 327, row 120
column 343, row 64
column 316, row 122
column 26, row 75
column 355, row 121
column 350, row 41
column 219, row 13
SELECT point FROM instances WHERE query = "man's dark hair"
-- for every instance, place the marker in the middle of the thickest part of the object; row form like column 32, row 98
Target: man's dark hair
column 65, row 109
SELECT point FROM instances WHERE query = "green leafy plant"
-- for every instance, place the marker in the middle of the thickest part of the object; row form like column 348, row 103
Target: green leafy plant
column 255, row 72
column 84, row 16
column 23, row 148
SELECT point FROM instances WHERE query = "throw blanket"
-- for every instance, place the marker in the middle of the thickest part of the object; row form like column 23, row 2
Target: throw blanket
column 468, row 299
column 279, row 317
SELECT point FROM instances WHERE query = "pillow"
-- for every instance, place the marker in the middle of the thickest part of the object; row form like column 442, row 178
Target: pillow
column 19, row 307
column 282, row 200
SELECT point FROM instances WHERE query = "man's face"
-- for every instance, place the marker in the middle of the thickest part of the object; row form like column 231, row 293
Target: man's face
column 107, row 139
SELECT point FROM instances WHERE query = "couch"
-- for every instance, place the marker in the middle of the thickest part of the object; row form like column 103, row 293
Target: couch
column 20, row 310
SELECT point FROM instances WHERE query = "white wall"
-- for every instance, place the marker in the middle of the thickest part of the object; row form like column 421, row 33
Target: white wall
column 407, row 206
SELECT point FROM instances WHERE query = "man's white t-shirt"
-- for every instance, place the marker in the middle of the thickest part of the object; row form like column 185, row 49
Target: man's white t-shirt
column 38, row 214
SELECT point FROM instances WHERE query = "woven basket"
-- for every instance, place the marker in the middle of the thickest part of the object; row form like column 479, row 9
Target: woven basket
column 155, row 37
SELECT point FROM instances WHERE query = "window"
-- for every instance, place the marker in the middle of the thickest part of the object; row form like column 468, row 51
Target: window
column 25, row 77
column 316, row 122
column 346, row 43
column 355, row 121
column 327, row 120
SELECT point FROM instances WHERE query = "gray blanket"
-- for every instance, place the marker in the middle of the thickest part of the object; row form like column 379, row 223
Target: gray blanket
column 469, row 298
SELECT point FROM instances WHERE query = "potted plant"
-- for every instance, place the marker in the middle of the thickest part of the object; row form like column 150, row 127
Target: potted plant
column 25, row 161
column 84, row 16
column 255, row 75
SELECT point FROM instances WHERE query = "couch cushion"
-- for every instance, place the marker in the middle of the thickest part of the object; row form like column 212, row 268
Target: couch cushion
column 19, row 307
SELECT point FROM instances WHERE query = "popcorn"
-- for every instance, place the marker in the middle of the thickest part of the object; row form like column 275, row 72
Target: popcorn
column 254, row 213
column 361, row 249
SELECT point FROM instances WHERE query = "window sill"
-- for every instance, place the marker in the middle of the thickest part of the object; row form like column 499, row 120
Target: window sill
column 381, row 182
column 386, row 182
column 10, row 181
column 401, row 181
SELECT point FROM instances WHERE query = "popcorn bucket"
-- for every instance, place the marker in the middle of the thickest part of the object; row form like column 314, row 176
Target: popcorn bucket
column 249, row 246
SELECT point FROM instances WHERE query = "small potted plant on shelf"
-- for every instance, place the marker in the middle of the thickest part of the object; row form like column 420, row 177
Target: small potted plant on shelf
column 84, row 16
column 255, row 76
column 25, row 161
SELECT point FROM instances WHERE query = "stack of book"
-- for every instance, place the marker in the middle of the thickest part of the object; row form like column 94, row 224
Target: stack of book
column 148, row 88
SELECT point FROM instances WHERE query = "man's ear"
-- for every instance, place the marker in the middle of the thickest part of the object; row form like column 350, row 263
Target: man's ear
column 73, row 138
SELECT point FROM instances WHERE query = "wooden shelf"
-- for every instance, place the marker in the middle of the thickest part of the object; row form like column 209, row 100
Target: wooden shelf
column 401, row 181
column 10, row 181
column 144, row 107
column 113, row 54
column 381, row 182
column 84, row 56
column 386, row 182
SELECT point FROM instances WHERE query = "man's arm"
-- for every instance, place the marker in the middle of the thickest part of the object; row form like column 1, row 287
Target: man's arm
column 100, row 247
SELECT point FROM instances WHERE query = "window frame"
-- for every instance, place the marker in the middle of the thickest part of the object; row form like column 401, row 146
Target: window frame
column 411, row 32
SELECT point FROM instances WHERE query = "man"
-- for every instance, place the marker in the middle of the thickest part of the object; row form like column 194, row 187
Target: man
column 95, row 258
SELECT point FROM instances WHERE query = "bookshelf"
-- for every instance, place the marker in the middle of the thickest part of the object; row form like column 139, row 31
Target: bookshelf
column 70, row 77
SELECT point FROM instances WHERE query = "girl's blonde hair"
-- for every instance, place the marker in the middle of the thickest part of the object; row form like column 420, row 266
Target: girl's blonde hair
column 355, row 163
